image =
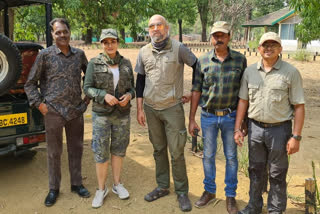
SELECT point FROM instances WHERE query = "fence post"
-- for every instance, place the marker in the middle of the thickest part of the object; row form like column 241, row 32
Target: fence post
column 310, row 196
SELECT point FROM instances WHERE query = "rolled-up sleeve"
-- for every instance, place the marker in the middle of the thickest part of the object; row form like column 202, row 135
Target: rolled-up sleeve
column 186, row 56
column 139, row 65
column 197, row 78
column 243, row 92
column 296, row 94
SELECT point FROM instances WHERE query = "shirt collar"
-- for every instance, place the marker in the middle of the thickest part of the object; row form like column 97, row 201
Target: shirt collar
column 276, row 66
column 214, row 56
column 58, row 51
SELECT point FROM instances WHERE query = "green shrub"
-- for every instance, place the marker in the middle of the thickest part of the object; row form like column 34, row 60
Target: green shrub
column 302, row 55
column 253, row 44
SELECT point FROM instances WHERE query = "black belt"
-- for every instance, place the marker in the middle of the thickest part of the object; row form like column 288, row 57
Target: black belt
column 268, row 125
column 219, row 112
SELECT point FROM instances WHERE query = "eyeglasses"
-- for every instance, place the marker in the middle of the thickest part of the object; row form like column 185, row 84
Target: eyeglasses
column 270, row 45
column 159, row 26
column 107, row 43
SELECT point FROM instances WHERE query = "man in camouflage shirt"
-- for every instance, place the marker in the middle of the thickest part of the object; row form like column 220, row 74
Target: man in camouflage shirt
column 216, row 84
column 58, row 69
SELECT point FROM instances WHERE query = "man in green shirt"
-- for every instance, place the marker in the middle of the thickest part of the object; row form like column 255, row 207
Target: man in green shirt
column 215, row 88
column 271, row 90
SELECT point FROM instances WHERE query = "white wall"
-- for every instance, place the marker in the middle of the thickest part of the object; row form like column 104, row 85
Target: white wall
column 314, row 46
column 292, row 45
column 289, row 45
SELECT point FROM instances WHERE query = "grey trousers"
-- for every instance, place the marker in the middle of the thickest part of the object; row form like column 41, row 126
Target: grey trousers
column 54, row 123
column 267, row 148
column 167, row 130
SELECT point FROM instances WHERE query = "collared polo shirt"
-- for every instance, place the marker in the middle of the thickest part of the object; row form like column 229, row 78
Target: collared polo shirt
column 219, row 82
column 272, row 95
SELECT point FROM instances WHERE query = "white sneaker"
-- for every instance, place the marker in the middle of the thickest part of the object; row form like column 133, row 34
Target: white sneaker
column 120, row 191
column 98, row 198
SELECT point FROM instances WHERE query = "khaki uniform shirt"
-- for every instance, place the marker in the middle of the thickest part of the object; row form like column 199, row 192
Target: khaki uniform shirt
column 272, row 95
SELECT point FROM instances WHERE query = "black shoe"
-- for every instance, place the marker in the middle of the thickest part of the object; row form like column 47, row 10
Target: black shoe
column 184, row 202
column 51, row 197
column 248, row 210
column 81, row 190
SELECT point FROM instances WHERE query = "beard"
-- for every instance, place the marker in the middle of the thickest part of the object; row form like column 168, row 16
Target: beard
column 158, row 38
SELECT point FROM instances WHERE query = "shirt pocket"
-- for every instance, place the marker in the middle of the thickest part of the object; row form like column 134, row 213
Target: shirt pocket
column 210, row 77
column 169, row 69
column 253, row 92
column 278, row 91
column 234, row 76
column 103, row 79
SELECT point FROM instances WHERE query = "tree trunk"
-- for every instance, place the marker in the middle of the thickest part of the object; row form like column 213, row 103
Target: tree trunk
column 88, row 38
column 248, row 18
column 11, row 23
column 203, row 11
column 123, row 34
column 204, row 32
column 180, row 29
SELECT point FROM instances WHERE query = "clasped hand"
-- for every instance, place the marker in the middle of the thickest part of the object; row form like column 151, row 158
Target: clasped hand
column 123, row 100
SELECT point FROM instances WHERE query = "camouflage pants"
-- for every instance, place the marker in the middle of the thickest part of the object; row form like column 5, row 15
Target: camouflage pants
column 267, row 147
column 113, row 127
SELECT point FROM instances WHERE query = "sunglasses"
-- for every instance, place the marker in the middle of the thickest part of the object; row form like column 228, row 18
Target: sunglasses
column 159, row 26
column 270, row 45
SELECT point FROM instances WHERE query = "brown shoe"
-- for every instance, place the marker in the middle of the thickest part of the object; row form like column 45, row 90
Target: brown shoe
column 205, row 199
column 232, row 207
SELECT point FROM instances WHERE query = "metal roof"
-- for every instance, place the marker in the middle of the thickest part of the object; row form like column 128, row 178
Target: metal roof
column 17, row 3
column 271, row 18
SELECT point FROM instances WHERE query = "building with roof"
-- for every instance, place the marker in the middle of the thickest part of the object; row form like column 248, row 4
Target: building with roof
column 284, row 20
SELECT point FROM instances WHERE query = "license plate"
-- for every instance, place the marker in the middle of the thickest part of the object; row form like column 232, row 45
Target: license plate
column 13, row 120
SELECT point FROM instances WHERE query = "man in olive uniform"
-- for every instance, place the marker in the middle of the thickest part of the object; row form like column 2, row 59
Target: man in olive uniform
column 271, row 90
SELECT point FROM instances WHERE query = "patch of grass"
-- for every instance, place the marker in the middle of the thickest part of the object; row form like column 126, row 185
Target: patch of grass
column 302, row 55
column 243, row 158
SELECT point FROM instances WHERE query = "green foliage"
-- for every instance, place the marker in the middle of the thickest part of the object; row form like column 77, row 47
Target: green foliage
column 257, row 32
column 29, row 23
column 308, row 10
column 302, row 55
column 264, row 7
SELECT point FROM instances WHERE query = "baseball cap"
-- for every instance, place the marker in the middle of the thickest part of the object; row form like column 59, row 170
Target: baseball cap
column 220, row 26
column 270, row 36
column 108, row 33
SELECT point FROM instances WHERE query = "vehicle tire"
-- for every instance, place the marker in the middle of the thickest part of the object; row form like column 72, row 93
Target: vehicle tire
column 10, row 64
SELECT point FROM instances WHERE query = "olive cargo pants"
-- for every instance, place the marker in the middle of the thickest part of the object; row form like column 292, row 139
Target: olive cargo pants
column 167, row 129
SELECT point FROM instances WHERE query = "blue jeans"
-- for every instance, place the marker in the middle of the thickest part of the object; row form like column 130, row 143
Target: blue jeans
column 210, row 125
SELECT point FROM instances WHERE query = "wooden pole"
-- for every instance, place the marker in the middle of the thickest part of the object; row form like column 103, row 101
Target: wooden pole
column 310, row 196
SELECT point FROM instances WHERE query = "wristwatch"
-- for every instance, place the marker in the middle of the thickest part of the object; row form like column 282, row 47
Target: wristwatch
column 297, row 137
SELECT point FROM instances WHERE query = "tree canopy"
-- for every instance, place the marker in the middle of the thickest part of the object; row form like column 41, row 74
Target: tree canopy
column 309, row 11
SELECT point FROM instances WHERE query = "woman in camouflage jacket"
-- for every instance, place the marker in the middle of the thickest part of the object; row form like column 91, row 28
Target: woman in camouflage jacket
column 109, row 82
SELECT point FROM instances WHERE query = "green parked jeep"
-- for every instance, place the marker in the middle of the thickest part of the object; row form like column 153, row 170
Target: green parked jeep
column 21, row 127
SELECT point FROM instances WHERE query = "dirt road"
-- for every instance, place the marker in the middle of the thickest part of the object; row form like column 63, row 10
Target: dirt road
column 24, row 182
